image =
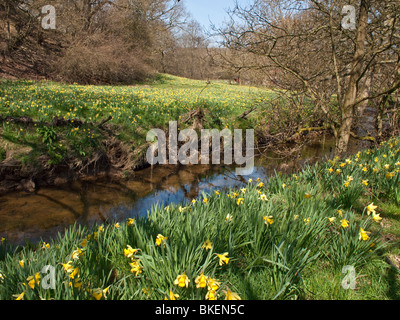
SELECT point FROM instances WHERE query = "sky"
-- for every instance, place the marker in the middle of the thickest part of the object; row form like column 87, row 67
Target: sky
column 211, row 11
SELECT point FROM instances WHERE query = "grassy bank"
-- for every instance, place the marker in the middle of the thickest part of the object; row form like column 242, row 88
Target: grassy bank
column 30, row 110
column 286, row 238
column 52, row 130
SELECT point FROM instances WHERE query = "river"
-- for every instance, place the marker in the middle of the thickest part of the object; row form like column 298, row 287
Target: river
column 41, row 215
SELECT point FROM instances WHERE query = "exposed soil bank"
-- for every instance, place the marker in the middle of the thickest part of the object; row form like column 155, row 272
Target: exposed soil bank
column 118, row 161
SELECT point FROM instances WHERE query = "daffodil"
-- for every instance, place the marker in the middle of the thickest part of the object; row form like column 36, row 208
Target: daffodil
column 136, row 268
column 268, row 220
column 365, row 182
column 19, row 296
column 223, row 258
column 332, row 219
column 263, row 197
column 371, row 208
column 228, row 217
column 213, row 284
column 307, row 195
column 229, row 295
column 76, row 253
column 74, row 272
column 390, row 175
column 171, row 296
column 363, row 235
column 21, row 263
column 345, row 223
column 84, row 243
column 211, row 295
column 207, row 245
column 239, row 201
column 45, row 245
column 68, row 267
column 129, row 251
column 32, row 280
column 76, row 284
column 130, row 222
column 205, row 200
column 160, row 239
column 99, row 293
column 201, row 281
column 182, row 280
column 376, row 217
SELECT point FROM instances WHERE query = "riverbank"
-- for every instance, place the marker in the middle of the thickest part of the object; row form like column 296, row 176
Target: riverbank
column 52, row 134
column 288, row 237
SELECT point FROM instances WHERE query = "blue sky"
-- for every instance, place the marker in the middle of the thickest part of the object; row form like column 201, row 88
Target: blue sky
column 205, row 11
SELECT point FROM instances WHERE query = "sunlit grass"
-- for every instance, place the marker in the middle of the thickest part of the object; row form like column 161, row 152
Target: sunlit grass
column 285, row 238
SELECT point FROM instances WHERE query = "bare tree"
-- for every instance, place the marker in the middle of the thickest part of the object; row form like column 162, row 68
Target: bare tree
column 302, row 46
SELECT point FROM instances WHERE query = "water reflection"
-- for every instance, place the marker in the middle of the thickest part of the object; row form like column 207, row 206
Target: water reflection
column 42, row 215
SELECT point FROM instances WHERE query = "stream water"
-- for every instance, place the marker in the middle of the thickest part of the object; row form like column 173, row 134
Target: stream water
column 41, row 215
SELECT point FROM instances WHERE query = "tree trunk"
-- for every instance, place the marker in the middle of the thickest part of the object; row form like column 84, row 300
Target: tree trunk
column 350, row 97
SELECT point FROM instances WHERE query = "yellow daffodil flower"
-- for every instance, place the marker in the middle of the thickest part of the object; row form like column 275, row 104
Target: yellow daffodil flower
column 363, row 235
column 201, row 281
column 263, row 197
column 213, row 284
column 19, row 296
column 76, row 253
column 207, row 245
column 99, row 293
column 211, row 295
column 376, row 217
column 171, row 296
column 229, row 295
column 223, row 258
column 182, row 280
column 136, row 267
column 345, row 223
column 160, row 239
column 371, row 208
column 268, row 220
column 129, row 251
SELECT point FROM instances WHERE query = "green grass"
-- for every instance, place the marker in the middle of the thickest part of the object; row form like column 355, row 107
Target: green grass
column 277, row 235
column 134, row 111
